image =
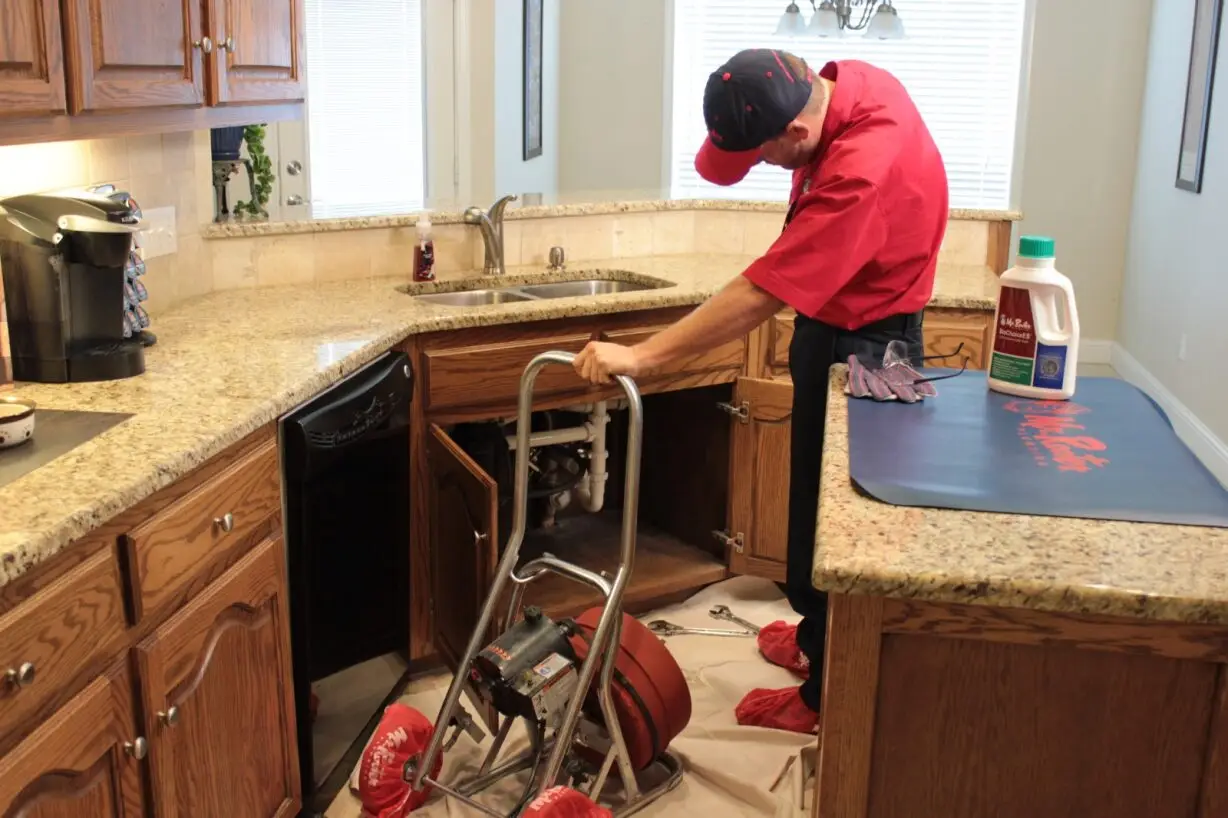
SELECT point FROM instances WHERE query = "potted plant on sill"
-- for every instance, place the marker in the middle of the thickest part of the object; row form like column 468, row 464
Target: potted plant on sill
column 226, row 145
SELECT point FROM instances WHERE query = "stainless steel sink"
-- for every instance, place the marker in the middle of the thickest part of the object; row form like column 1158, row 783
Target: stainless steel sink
column 491, row 291
column 592, row 286
column 474, row 298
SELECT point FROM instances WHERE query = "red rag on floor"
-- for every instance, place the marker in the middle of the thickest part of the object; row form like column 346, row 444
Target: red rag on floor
column 778, row 644
column 561, row 802
column 402, row 734
column 777, row 710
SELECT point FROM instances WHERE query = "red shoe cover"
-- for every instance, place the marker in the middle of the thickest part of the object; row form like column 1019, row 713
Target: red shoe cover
column 561, row 802
column 778, row 644
column 777, row 710
column 402, row 734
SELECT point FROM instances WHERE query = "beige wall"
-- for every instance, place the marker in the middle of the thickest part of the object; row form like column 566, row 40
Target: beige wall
column 1176, row 284
column 1080, row 140
column 612, row 126
column 159, row 171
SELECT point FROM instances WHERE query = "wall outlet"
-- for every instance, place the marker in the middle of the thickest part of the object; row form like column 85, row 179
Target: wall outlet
column 1181, row 350
column 158, row 236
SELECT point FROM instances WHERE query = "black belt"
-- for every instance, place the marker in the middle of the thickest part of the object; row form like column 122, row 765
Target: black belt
column 902, row 323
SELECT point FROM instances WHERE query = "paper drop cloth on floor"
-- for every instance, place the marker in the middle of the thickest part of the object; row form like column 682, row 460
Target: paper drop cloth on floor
column 730, row 771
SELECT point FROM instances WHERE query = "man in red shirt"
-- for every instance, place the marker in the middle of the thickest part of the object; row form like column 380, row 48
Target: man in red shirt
column 856, row 260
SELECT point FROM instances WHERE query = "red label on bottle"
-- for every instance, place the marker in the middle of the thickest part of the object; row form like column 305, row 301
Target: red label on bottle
column 1015, row 333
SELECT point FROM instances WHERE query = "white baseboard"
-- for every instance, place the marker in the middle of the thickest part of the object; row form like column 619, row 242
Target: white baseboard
column 1095, row 351
column 1206, row 446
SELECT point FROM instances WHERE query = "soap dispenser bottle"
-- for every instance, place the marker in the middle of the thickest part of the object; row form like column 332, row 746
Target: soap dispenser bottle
column 424, row 251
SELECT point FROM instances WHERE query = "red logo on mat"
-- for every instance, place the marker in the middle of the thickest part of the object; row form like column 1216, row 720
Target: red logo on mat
column 1053, row 436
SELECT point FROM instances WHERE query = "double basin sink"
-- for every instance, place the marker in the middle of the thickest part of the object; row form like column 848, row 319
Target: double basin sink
column 483, row 293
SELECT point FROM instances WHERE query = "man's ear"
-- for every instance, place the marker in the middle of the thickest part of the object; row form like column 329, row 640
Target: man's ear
column 798, row 131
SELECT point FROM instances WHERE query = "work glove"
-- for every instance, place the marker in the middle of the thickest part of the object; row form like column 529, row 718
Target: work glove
column 892, row 378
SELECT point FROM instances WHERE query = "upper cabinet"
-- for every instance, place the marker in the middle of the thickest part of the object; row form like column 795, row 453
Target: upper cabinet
column 77, row 69
column 32, row 59
column 131, row 54
column 259, row 51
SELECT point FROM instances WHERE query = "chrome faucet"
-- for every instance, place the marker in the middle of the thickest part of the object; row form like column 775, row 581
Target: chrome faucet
column 491, row 224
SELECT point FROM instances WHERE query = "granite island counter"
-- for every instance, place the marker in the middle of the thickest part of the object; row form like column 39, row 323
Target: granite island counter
column 991, row 664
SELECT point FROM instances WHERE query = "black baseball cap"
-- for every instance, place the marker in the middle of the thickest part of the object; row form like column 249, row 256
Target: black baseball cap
column 749, row 100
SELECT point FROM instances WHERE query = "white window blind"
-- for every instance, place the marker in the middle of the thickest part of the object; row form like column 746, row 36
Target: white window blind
column 960, row 62
column 365, row 107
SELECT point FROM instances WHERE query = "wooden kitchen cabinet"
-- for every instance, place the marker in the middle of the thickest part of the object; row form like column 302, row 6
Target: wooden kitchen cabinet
column 967, row 331
column 260, row 45
column 759, row 477
column 80, row 69
column 218, row 701
column 32, row 53
column 134, row 55
column 85, row 760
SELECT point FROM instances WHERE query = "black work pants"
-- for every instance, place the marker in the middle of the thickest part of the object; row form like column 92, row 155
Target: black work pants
column 815, row 347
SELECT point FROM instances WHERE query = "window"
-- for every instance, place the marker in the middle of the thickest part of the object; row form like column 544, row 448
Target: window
column 365, row 124
column 961, row 63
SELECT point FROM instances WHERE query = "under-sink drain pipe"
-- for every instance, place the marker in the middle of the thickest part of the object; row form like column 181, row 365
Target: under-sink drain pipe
column 591, row 488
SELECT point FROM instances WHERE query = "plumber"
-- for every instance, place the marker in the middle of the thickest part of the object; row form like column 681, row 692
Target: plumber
column 855, row 259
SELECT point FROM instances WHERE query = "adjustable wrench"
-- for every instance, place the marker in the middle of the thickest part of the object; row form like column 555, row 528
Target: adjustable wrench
column 663, row 628
column 723, row 613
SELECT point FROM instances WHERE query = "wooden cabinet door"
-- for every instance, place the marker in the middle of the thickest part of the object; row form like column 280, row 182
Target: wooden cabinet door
column 31, row 59
column 219, row 708
column 85, row 760
column 945, row 330
column 134, row 54
column 759, row 478
column 464, row 549
column 260, row 45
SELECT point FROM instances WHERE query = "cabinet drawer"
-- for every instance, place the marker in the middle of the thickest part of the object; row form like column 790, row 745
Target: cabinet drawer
column 489, row 374
column 180, row 544
column 779, row 337
column 727, row 358
column 945, row 331
column 61, row 632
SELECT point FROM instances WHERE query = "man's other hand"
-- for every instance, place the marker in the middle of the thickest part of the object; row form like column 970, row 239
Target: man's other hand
column 599, row 362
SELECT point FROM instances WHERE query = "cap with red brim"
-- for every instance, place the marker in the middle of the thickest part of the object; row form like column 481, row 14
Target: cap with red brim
column 721, row 167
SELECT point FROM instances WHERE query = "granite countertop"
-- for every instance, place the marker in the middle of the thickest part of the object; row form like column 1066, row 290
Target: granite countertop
column 1137, row 570
column 617, row 203
column 230, row 362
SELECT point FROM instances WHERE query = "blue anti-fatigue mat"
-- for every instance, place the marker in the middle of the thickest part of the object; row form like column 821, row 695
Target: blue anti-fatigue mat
column 1110, row 453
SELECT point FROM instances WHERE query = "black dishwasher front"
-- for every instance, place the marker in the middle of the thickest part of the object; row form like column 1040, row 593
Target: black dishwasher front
column 345, row 465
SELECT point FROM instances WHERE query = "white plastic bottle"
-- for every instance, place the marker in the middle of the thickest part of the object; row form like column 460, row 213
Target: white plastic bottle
column 1035, row 354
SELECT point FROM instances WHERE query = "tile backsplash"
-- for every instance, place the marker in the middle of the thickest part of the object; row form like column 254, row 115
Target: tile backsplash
column 159, row 170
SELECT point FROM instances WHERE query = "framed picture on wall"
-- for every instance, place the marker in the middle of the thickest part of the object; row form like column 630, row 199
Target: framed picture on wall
column 532, row 78
column 1207, row 16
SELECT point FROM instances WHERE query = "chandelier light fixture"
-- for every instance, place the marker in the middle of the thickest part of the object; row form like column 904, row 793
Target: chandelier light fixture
column 878, row 20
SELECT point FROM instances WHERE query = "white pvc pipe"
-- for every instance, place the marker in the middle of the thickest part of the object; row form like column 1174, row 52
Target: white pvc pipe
column 591, row 487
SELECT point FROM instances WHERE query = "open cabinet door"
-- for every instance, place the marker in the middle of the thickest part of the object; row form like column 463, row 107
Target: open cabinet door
column 759, row 477
column 464, row 550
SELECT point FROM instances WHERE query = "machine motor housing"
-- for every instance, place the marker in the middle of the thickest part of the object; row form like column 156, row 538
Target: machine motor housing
column 530, row 671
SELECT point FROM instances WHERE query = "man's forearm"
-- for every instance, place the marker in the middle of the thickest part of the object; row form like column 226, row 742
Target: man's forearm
column 734, row 311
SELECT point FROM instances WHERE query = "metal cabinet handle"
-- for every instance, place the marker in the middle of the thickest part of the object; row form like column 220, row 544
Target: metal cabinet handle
column 204, row 44
column 227, row 45
column 225, row 523
column 294, row 199
column 22, row 675
column 137, row 748
column 169, row 717
column 294, row 167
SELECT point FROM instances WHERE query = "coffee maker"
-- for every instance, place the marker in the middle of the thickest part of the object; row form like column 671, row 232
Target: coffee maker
column 63, row 257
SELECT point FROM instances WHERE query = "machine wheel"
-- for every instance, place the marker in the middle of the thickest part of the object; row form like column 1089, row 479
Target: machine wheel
column 401, row 737
column 651, row 695
column 561, row 802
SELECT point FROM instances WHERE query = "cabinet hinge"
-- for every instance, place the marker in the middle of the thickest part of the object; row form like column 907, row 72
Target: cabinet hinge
column 737, row 542
column 741, row 411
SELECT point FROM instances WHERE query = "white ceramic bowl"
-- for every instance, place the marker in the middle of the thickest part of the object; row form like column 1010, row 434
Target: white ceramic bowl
column 16, row 421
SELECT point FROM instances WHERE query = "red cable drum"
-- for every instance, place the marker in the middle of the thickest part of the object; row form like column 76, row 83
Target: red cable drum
column 651, row 695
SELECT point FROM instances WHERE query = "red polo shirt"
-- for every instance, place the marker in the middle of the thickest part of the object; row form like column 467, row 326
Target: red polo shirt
column 868, row 214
